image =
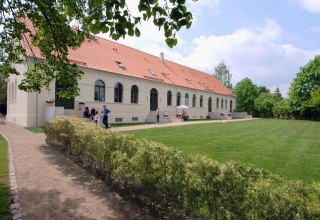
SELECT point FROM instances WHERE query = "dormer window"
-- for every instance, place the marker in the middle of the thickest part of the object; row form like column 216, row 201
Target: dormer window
column 121, row 65
column 152, row 72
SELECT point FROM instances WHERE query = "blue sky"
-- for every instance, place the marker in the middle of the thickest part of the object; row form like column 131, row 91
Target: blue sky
column 267, row 41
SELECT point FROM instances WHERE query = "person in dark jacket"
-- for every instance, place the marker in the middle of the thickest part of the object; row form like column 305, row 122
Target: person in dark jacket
column 86, row 113
column 93, row 113
column 105, row 112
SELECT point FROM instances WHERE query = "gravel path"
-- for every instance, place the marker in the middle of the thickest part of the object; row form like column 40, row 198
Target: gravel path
column 172, row 124
column 50, row 186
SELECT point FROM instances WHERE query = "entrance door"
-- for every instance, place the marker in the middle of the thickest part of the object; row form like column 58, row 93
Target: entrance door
column 153, row 100
column 210, row 105
column 62, row 102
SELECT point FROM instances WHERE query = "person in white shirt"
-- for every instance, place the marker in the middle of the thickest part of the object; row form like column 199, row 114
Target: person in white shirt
column 96, row 117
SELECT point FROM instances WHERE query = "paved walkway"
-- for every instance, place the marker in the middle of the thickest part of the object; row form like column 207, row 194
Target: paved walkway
column 51, row 186
column 183, row 123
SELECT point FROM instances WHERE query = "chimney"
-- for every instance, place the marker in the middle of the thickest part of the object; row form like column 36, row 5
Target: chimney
column 162, row 57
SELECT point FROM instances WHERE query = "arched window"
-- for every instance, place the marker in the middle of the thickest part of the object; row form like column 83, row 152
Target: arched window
column 230, row 104
column 194, row 100
column 210, row 104
column 134, row 94
column 99, row 91
column 226, row 103
column 169, row 98
column 186, row 100
column 118, row 91
column 178, row 98
column 217, row 102
column 221, row 103
column 201, row 101
column 153, row 99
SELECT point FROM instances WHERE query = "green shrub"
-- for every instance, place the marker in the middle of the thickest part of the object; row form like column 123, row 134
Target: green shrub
column 181, row 184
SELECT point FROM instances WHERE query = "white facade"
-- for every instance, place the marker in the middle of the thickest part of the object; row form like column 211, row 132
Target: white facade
column 28, row 109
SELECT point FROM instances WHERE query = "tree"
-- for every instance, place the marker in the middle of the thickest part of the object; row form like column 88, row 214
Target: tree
column 3, row 89
column 311, row 108
column 277, row 93
column 281, row 109
column 263, row 89
column 306, row 81
column 53, row 34
column 264, row 105
column 246, row 92
column 222, row 73
column 315, row 100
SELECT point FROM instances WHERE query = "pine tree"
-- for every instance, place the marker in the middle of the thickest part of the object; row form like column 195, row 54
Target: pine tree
column 277, row 93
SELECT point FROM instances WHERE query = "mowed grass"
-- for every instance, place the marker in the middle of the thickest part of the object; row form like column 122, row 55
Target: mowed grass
column 35, row 129
column 290, row 148
column 4, row 181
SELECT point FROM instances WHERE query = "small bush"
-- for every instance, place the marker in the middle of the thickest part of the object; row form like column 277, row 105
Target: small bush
column 198, row 186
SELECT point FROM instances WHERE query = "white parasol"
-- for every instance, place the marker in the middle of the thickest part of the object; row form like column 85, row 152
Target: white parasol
column 182, row 107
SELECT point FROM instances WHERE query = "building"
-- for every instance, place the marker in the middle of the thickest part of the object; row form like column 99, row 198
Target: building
column 130, row 82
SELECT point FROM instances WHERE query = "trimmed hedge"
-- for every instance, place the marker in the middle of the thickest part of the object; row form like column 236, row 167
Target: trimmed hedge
column 199, row 186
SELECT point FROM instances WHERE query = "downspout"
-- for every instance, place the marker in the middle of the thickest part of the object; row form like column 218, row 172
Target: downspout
column 37, row 120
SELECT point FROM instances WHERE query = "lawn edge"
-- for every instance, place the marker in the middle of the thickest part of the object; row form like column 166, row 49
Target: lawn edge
column 15, row 204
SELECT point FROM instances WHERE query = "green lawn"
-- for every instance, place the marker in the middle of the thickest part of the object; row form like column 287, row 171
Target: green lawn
column 130, row 124
column 4, row 182
column 288, row 148
column 35, row 129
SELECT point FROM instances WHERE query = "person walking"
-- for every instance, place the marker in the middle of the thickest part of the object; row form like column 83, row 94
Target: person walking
column 105, row 112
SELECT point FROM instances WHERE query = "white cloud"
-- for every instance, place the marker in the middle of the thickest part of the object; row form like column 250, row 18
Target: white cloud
column 271, row 30
column 196, row 7
column 312, row 6
column 253, row 53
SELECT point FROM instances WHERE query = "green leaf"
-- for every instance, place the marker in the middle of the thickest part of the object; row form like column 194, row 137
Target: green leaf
column 161, row 21
column 142, row 7
column 94, row 28
column 169, row 42
column 115, row 36
column 104, row 29
column 130, row 32
column 168, row 33
column 137, row 32
column 109, row 14
column 96, row 2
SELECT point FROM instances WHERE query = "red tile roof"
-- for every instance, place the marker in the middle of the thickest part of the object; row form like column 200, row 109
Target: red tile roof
column 102, row 54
